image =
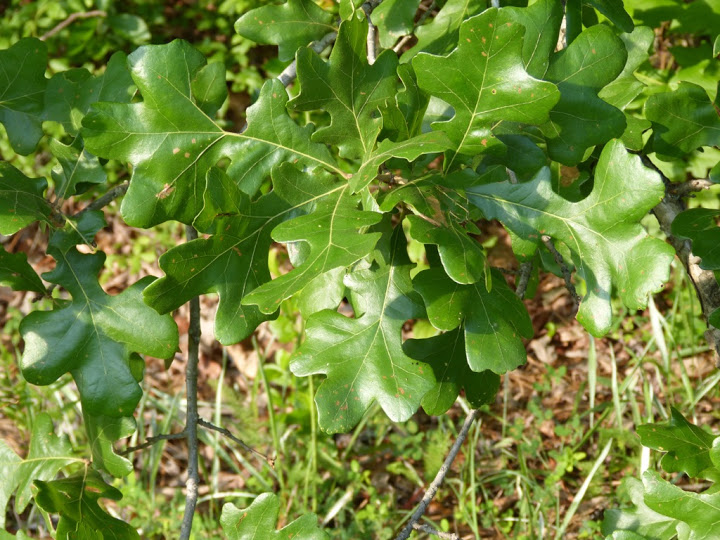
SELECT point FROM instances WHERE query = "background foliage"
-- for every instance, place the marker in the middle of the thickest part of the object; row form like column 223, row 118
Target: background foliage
column 356, row 231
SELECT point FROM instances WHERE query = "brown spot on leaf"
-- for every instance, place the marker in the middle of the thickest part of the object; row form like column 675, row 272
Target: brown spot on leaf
column 166, row 191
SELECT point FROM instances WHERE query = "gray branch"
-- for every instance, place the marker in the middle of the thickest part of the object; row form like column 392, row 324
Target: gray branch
column 110, row 196
column 523, row 278
column 704, row 281
column 691, row 186
column 240, row 442
column 567, row 276
column 440, row 476
column 289, row 73
column 151, row 441
column 191, row 421
column 422, row 527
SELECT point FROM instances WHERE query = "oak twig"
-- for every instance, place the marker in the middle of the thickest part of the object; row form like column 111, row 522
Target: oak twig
column 71, row 19
column 290, row 73
column 110, row 196
column 423, row 527
column 440, row 476
column 191, row 419
column 371, row 42
column 567, row 275
column 691, row 186
column 704, row 281
column 152, row 440
column 523, row 278
column 405, row 39
column 208, row 425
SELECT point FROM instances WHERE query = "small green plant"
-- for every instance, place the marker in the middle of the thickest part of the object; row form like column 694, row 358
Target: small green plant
column 663, row 509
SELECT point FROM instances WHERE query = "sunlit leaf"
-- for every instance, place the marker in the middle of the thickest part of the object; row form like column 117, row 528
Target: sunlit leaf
column 75, row 499
column 362, row 357
column 609, row 247
column 22, row 200
column 290, row 25
column 92, row 337
column 348, row 88
column 485, row 83
column 581, row 120
column 259, row 522
column 22, row 92
column 493, row 321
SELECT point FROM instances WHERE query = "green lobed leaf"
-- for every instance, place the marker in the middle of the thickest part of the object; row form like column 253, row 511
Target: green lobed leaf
column 348, row 88
column 446, row 356
column 172, row 143
column 440, row 35
column 683, row 120
column 92, row 336
column 48, row 454
column 698, row 512
column 687, row 445
column 75, row 499
column 209, row 88
column 16, row 273
column 626, row 87
column 493, row 321
column 462, row 256
column 485, row 82
column 233, row 261
column 330, row 232
column 581, row 120
column 70, row 93
column 403, row 117
column 77, row 169
column 639, row 520
column 102, row 433
column 259, row 522
column 394, row 19
column 22, row 93
column 542, row 22
column 614, row 10
column 609, row 247
column 700, row 226
column 291, row 25
column 410, row 149
column 21, row 200
column 362, row 357
column 348, row 8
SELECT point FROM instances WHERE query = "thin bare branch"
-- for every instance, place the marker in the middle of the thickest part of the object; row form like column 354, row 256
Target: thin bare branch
column 250, row 449
column 691, row 186
column 371, row 42
column 704, row 281
column 151, row 441
column 423, row 527
column 405, row 39
column 523, row 278
column 440, row 476
column 289, row 73
column 71, row 19
column 191, row 419
column 110, row 196
column 567, row 275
